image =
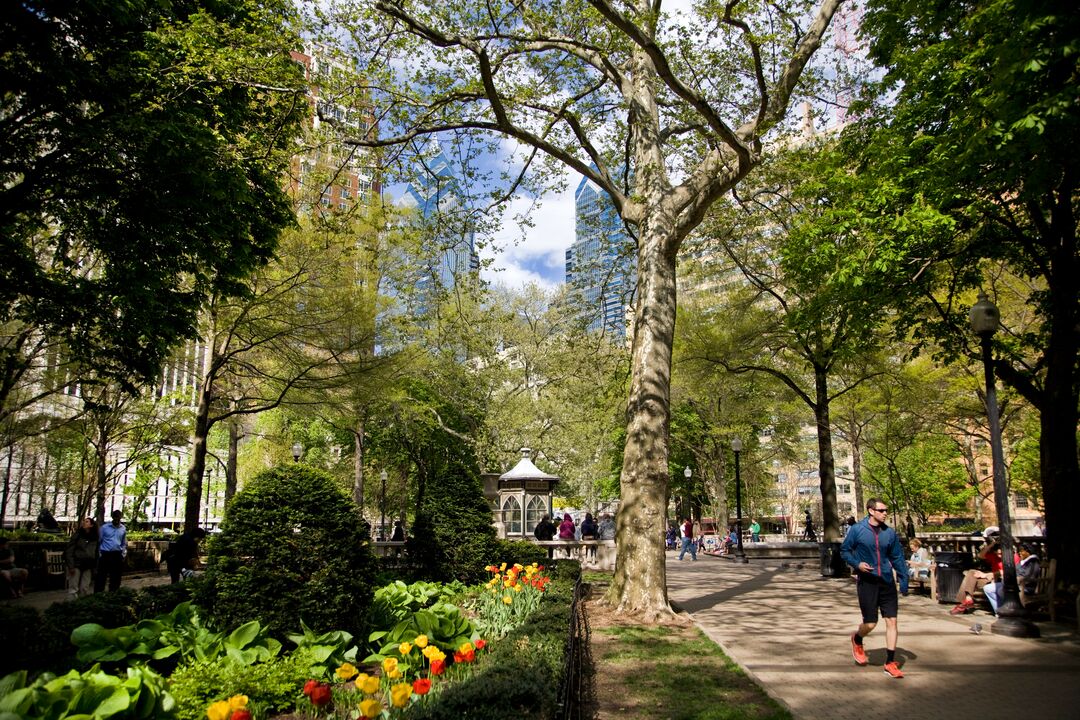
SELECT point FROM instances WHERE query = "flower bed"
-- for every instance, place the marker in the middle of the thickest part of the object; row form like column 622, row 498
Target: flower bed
column 495, row 658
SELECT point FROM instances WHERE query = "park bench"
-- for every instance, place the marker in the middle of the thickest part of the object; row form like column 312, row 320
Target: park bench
column 1044, row 589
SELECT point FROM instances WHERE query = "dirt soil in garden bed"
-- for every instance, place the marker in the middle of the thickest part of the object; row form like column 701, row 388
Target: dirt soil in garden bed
column 664, row 671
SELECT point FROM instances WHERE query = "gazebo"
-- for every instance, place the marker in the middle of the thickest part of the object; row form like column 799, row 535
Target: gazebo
column 524, row 496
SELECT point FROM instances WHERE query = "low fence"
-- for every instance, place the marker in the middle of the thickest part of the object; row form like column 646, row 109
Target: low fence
column 578, row 660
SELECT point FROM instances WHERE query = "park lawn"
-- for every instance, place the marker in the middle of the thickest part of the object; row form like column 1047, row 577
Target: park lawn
column 670, row 671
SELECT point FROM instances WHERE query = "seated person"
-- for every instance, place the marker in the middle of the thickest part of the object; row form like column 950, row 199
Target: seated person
column 14, row 577
column 977, row 579
column 1027, row 576
column 919, row 563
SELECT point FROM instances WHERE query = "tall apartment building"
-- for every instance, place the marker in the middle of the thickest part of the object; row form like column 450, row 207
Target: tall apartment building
column 335, row 173
column 600, row 264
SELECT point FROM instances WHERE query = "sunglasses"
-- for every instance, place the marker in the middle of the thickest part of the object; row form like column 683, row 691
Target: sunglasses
column 880, row 510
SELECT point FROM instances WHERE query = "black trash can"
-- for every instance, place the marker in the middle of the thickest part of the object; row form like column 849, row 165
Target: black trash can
column 949, row 572
column 832, row 563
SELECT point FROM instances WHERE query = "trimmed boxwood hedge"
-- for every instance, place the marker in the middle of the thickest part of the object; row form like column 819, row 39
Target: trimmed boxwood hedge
column 293, row 547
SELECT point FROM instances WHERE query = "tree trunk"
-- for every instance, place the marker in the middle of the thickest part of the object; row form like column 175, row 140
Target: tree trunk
column 7, row 484
column 231, row 482
column 855, row 440
column 1058, row 419
column 358, row 465
column 639, row 586
column 193, row 496
column 830, row 520
column 101, row 472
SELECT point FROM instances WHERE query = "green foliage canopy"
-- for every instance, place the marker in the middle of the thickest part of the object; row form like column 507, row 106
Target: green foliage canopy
column 143, row 148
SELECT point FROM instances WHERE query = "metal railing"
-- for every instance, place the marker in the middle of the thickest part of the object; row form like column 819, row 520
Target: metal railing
column 577, row 660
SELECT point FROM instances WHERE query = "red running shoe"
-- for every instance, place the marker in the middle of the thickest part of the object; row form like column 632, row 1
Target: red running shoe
column 857, row 651
column 893, row 670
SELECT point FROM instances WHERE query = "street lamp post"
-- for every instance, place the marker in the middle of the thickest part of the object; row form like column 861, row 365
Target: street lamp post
column 985, row 318
column 688, row 473
column 297, row 451
column 740, row 555
column 382, row 505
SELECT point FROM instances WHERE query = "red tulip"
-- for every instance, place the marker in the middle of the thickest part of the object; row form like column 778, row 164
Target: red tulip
column 421, row 686
column 320, row 695
column 438, row 667
column 309, row 686
column 240, row 715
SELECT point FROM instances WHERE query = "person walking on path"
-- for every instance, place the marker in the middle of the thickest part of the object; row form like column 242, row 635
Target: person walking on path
column 755, row 531
column 81, row 555
column 687, row 534
column 112, row 549
column 873, row 549
column 808, row 533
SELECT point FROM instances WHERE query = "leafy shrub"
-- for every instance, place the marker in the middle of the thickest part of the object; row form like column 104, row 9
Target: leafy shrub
column 327, row 651
column 42, row 641
column 157, row 600
column 275, row 685
column 293, row 547
column 521, row 552
column 395, row 601
column 142, row 694
column 444, row 625
column 20, row 636
column 178, row 634
column 452, row 537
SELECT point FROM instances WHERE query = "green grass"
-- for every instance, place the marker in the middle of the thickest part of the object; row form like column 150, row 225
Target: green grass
column 679, row 674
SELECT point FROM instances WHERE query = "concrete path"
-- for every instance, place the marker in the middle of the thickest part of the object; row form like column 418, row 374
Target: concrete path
column 789, row 630
column 42, row 599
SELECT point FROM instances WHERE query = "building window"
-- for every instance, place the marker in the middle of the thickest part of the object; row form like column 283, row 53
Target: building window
column 511, row 511
column 844, row 489
column 535, row 510
column 1022, row 502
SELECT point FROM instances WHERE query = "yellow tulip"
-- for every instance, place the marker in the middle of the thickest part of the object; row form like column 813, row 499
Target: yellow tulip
column 517, row 588
column 368, row 684
column 502, row 568
column 404, row 648
column 219, row 710
column 394, row 674
column 371, row 708
column 389, row 665
column 421, row 641
column 346, row 672
column 238, row 702
column 465, row 647
column 507, row 599
column 400, row 694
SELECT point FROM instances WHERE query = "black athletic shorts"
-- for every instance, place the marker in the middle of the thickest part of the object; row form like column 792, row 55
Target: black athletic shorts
column 876, row 594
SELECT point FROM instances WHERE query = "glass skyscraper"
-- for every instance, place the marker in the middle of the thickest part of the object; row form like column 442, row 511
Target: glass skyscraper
column 436, row 193
column 601, row 264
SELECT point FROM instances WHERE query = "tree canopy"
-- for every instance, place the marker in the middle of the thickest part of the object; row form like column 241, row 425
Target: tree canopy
column 143, row 145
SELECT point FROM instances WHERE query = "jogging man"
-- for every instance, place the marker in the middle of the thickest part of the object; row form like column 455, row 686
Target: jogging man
column 873, row 549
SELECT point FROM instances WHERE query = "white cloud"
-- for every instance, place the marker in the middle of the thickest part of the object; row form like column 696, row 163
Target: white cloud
column 533, row 254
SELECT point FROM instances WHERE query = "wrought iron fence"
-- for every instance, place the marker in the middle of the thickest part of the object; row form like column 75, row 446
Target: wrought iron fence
column 578, row 660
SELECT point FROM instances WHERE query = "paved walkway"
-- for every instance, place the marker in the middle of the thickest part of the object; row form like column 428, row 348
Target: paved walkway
column 789, row 629
column 42, row 599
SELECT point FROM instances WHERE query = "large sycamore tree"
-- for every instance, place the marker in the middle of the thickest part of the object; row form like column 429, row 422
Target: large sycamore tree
column 665, row 116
